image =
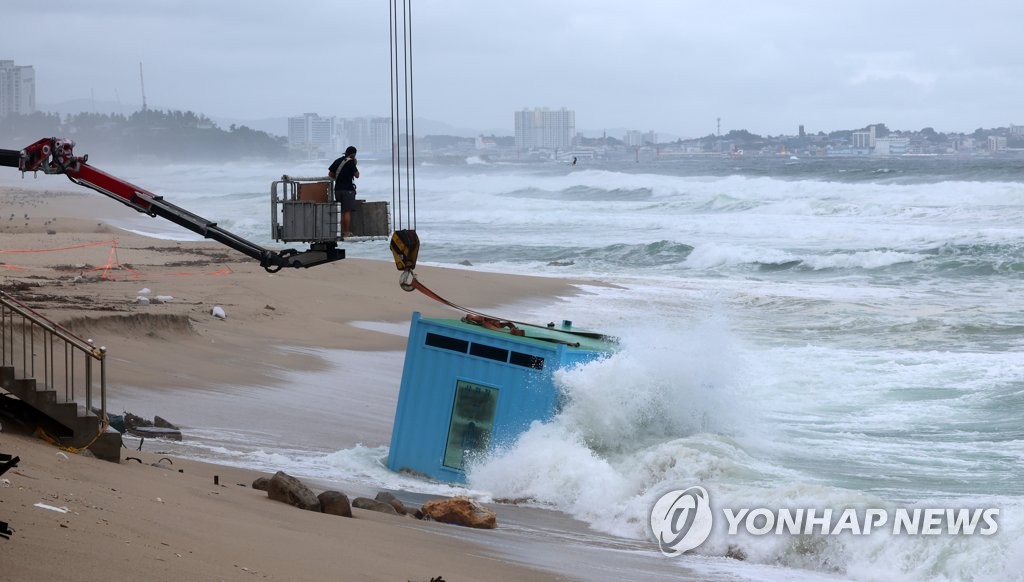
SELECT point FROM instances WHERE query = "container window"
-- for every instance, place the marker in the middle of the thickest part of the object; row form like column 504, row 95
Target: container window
column 526, row 360
column 489, row 352
column 472, row 423
column 446, row 343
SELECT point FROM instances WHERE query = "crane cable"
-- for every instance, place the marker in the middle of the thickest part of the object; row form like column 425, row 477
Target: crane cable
column 405, row 244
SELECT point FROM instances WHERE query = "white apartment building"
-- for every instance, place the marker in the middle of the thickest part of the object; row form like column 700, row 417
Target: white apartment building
column 544, row 128
column 864, row 140
column 891, row 146
column 996, row 143
column 314, row 134
column 17, row 89
column 634, row 138
column 367, row 134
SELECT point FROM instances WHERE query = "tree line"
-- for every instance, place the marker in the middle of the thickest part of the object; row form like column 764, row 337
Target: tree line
column 168, row 135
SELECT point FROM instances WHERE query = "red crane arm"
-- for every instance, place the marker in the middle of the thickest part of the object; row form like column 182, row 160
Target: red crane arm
column 56, row 156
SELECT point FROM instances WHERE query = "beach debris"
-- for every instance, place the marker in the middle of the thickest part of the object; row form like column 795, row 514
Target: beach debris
column 736, row 553
column 373, row 505
column 466, row 263
column 335, row 503
column 5, row 482
column 62, row 455
column 388, row 498
column 269, row 307
column 135, row 425
column 144, row 291
column 162, row 299
column 51, row 231
column 52, row 508
column 261, row 483
column 287, row 489
column 140, row 300
column 434, row 579
column 218, row 312
column 163, row 423
column 460, row 511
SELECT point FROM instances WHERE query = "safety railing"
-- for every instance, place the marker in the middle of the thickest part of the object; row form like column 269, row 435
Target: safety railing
column 43, row 350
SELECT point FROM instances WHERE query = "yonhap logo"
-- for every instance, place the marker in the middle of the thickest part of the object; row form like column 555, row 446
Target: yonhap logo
column 681, row 520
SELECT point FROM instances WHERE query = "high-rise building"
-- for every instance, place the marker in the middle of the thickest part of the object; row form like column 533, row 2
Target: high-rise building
column 634, row 138
column 317, row 135
column 367, row 134
column 544, row 128
column 17, row 89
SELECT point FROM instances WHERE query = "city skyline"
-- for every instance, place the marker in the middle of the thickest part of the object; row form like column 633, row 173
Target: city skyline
column 653, row 65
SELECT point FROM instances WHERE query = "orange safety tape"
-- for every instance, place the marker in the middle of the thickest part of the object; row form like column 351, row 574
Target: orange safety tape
column 82, row 246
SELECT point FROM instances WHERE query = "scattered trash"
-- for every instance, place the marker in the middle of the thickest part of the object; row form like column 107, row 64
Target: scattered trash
column 52, row 508
column 218, row 312
column 62, row 455
column 162, row 299
column 144, row 291
column 142, row 300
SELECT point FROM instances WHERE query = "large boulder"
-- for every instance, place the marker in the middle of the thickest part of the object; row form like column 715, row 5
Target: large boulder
column 460, row 511
column 373, row 505
column 335, row 503
column 287, row 489
column 390, row 499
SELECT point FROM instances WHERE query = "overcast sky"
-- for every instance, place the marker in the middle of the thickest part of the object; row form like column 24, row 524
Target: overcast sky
column 672, row 66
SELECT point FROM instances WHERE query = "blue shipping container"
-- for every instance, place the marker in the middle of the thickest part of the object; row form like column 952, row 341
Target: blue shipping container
column 468, row 387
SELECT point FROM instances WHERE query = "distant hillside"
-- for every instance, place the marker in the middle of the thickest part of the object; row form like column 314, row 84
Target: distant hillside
column 275, row 126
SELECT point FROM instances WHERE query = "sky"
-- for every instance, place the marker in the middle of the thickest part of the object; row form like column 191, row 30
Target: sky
column 670, row 66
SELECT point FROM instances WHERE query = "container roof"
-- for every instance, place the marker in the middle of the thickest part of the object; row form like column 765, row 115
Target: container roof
column 572, row 337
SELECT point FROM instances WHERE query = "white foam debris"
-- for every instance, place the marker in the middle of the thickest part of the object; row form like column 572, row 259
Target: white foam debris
column 52, row 508
column 162, row 299
column 142, row 300
column 144, row 291
column 218, row 312
column 62, row 455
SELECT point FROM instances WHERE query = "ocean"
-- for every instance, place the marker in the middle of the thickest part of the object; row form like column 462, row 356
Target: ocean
column 813, row 333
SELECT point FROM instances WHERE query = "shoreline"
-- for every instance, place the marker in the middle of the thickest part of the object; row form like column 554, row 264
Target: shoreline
column 91, row 285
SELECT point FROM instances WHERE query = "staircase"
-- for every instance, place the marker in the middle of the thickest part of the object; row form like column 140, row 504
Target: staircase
column 55, row 373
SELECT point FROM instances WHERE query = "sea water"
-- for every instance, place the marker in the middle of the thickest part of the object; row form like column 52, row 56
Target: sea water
column 822, row 333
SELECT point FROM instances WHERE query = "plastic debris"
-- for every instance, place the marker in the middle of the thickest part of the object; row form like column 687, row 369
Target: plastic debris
column 218, row 312
column 144, row 291
column 142, row 300
column 52, row 508
column 162, row 299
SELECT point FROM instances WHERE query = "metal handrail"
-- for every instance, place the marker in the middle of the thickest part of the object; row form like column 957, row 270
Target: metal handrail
column 28, row 337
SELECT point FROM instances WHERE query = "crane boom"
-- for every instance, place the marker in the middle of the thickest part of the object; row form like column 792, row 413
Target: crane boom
column 56, row 156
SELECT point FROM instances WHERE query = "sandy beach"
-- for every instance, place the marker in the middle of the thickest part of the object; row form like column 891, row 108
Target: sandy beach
column 60, row 255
